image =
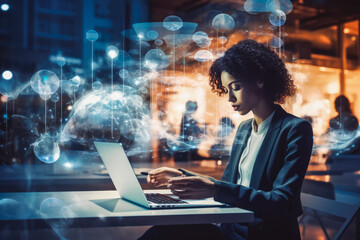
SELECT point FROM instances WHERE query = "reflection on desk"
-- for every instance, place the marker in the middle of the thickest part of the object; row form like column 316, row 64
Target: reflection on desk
column 39, row 210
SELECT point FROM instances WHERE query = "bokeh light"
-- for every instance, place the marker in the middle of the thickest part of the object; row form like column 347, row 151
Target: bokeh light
column 92, row 35
column 223, row 22
column 44, row 82
column 156, row 59
column 5, row 7
column 172, row 23
column 7, row 75
column 277, row 18
column 46, row 149
column 112, row 51
column 203, row 56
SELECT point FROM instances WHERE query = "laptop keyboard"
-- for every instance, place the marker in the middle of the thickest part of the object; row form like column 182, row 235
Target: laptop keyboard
column 162, row 199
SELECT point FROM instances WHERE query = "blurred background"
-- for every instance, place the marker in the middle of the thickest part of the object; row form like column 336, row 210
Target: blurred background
column 136, row 72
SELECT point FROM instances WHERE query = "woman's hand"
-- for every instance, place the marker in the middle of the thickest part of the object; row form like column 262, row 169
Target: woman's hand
column 160, row 176
column 192, row 187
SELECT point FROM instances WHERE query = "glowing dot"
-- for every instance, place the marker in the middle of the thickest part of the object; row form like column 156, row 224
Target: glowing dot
column 112, row 52
column 5, row 116
column 346, row 30
column 7, row 75
column 219, row 162
column 68, row 165
column 69, row 108
column 5, row 7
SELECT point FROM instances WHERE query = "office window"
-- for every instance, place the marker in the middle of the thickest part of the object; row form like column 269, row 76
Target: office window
column 102, row 9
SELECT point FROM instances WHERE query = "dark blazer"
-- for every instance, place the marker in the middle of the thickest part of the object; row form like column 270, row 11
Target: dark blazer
column 276, row 181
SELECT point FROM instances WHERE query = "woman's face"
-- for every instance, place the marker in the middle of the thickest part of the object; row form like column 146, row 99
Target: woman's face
column 243, row 97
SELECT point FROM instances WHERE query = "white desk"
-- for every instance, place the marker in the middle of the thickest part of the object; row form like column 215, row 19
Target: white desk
column 34, row 210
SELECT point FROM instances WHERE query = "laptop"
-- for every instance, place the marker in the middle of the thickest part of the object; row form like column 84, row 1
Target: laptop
column 128, row 187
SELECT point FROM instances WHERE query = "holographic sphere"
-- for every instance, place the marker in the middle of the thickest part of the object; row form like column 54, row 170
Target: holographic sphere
column 44, row 82
column 172, row 23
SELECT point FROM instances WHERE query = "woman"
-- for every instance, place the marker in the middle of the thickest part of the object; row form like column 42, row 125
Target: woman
column 269, row 157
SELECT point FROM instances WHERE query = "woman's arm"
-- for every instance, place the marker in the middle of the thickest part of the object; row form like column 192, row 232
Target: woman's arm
column 277, row 203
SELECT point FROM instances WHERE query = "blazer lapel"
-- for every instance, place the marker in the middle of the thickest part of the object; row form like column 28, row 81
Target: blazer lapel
column 240, row 142
column 266, row 148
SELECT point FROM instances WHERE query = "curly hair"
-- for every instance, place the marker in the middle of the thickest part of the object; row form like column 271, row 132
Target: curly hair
column 249, row 61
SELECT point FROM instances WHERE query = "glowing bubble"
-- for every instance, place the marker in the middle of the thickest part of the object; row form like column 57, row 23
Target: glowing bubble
column 11, row 208
column 55, row 97
column 223, row 22
column 156, row 59
column 152, row 35
column 277, row 18
column 199, row 36
column 158, row 42
column 5, row 7
column 60, row 60
column 100, row 114
column 96, row 86
column 123, row 73
column 7, row 75
column 172, row 23
column 256, row 6
column 46, row 149
column 112, row 51
column 203, row 56
column 130, row 128
column 58, row 209
column 223, row 40
column 92, row 35
column 201, row 39
column 284, row 5
column 276, row 42
column 44, row 82
column 75, row 81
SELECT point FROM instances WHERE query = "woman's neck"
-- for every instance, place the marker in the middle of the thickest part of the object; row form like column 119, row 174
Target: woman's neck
column 262, row 111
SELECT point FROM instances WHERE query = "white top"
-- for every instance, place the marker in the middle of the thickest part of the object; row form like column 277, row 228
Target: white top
column 248, row 157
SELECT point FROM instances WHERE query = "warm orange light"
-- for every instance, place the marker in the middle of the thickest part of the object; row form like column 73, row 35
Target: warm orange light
column 346, row 30
column 4, row 98
column 353, row 38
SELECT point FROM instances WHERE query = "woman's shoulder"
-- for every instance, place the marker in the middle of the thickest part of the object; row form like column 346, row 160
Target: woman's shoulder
column 291, row 121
